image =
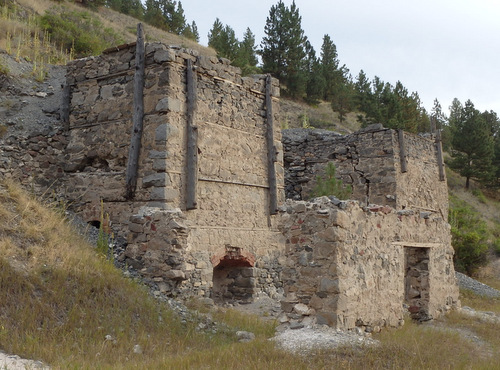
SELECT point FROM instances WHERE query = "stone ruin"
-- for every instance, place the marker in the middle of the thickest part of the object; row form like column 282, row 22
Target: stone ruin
column 207, row 214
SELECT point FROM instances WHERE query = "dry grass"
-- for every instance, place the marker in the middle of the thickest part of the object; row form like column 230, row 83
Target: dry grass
column 127, row 25
column 296, row 114
column 22, row 37
column 59, row 300
column 38, row 6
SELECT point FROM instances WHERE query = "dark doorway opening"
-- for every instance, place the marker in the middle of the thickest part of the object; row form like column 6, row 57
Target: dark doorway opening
column 417, row 286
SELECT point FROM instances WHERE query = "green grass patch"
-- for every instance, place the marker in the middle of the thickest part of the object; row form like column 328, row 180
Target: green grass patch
column 80, row 32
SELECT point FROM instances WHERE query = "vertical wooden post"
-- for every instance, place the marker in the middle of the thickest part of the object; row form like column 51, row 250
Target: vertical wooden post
column 439, row 148
column 192, row 140
column 138, row 115
column 271, row 149
column 433, row 125
column 402, row 151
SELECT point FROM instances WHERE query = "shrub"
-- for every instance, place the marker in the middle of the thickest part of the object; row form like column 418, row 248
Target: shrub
column 496, row 246
column 4, row 70
column 469, row 237
column 330, row 185
column 79, row 31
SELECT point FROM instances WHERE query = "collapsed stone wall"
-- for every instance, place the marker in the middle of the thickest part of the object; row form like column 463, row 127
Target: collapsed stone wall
column 347, row 264
column 370, row 161
column 233, row 191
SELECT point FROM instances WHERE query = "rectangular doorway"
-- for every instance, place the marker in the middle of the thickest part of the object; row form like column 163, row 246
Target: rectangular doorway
column 417, row 285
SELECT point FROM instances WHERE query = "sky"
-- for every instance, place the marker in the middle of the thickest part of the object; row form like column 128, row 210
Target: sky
column 442, row 49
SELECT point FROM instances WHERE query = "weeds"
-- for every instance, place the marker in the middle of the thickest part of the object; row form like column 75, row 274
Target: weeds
column 79, row 31
column 4, row 69
column 105, row 235
column 469, row 236
column 330, row 185
column 479, row 195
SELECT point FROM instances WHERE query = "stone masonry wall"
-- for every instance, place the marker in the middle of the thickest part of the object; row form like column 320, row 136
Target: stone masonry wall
column 368, row 160
column 233, row 192
column 346, row 263
column 36, row 161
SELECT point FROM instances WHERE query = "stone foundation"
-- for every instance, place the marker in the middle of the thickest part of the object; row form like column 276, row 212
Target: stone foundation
column 353, row 265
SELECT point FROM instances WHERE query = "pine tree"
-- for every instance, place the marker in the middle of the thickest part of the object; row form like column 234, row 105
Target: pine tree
column 472, row 145
column 315, row 81
column 246, row 55
column 295, row 78
column 176, row 20
column 191, row 32
column 223, row 40
column 496, row 161
column 153, row 14
column 330, row 65
column 343, row 99
column 363, row 97
column 283, row 48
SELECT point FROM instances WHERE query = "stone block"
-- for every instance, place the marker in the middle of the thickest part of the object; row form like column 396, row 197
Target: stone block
column 340, row 218
column 136, row 228
column 156, row 180
column 301, row 309
column 326, row 318
column 168, row 105
column 175, row 275
column 331, row 286
column 161, row 56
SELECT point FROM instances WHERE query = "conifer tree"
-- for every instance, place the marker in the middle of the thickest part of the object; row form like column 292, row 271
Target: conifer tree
column 273, row 44
column 363, row 97
column 246, row 55
column 472, row 145
column 283, row 48
column 191, row 32
column 223, row 40
column 315, row 81
column 330, row 65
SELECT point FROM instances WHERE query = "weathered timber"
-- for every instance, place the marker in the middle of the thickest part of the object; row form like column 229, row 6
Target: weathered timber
column 439, row 147
column 271, row 149
column 402, row 151
column 137, row 119
column 192, row 140
column 433, row 125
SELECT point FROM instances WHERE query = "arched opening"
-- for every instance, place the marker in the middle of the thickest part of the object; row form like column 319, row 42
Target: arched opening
column 95, row 223
column 233, row 276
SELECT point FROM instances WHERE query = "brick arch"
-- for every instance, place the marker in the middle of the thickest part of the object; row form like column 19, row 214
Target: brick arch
column 231, row 256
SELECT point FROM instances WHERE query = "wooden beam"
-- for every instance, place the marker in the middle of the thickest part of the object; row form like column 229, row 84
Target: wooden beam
column 433, row 125
column 402, row 151
column 138, row 116
column 271, row 149
column 192, row 140
column 439, row 147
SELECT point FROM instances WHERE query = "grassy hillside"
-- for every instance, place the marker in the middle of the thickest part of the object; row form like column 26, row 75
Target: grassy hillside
column 49, row 32
column 63, row 303
column 53, row 32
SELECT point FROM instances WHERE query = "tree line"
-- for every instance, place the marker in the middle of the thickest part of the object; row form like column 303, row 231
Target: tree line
column 472, row 137
column 167, row 15
column 288, row 55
